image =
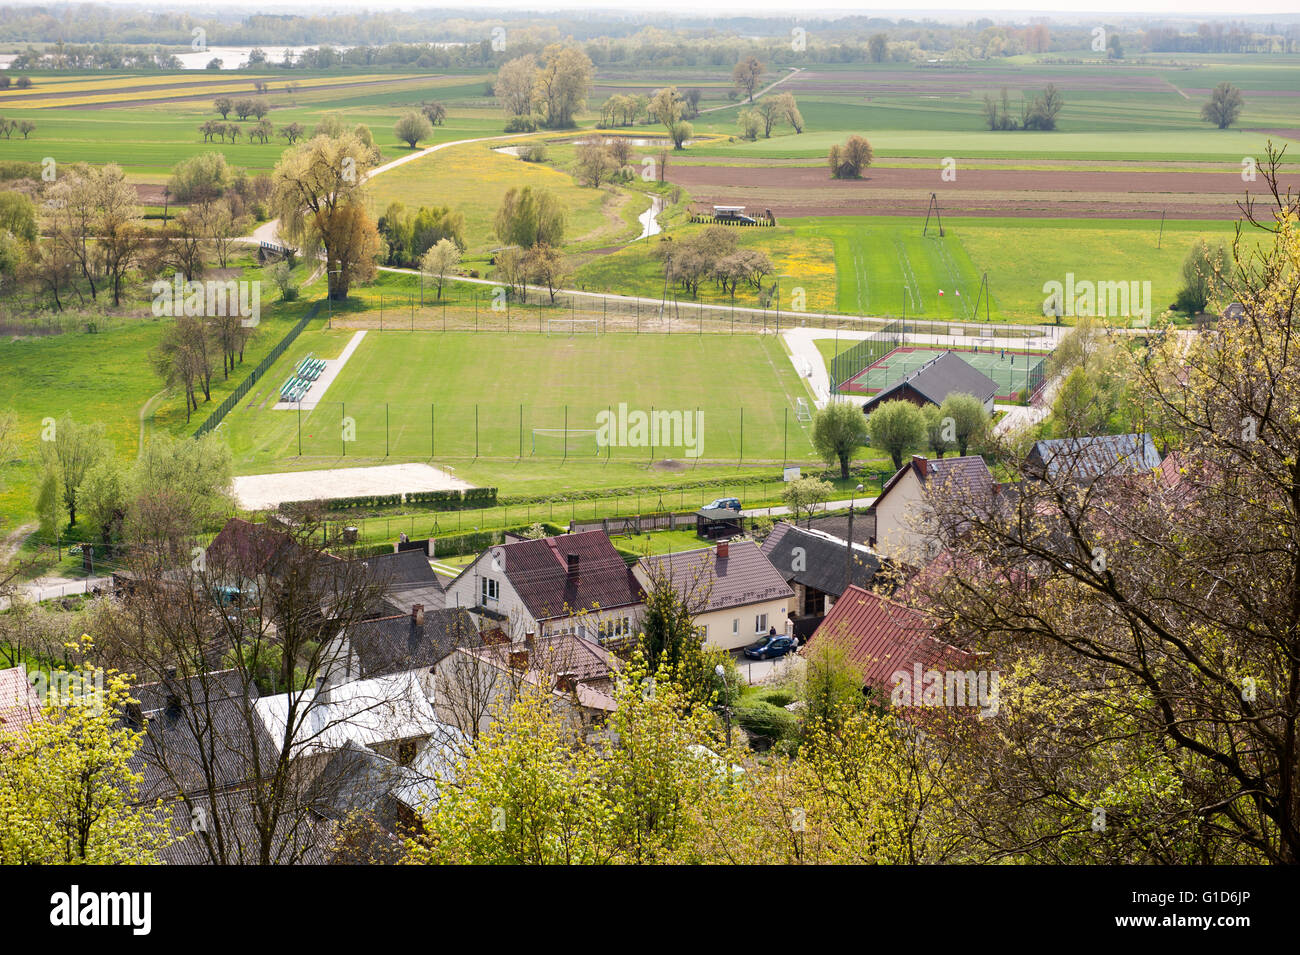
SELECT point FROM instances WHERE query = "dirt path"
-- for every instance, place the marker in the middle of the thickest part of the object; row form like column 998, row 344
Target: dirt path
column 794, row 71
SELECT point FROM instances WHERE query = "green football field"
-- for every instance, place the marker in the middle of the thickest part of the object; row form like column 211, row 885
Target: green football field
column 425, row 396
column 1011, row 370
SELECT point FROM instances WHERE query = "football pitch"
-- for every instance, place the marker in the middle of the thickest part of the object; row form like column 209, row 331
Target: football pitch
column 428, row 396
column 1011, row 369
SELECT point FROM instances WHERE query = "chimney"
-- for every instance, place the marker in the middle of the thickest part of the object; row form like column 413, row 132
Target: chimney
column 572, row 560
column 494, row 636
column 724, row 549
column 417, row 615
column 519, row 659
column 529, row 637
column 920, row 462
column 566, row 682
column 322, row 690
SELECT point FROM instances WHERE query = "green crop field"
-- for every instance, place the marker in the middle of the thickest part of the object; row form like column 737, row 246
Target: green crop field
column 413, row 397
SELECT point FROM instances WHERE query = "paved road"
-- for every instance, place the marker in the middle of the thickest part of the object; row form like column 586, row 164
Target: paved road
column 780, row 510
column 38, row 591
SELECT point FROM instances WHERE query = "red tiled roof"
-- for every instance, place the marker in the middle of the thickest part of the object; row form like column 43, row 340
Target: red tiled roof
column 882, row 637
column 20, row 707
column 539, row 572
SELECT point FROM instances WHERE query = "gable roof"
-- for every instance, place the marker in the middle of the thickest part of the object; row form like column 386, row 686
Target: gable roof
column 941, row 376
column 745, row 576
column 882, row 637
column 394, row 643
column 401, row 570
column 384, row 709
column 539, row 572
column 967, row 475
column 822, row 562
column 20, row 706
column 184, row 745
column 1106, row 455
column 590, row 665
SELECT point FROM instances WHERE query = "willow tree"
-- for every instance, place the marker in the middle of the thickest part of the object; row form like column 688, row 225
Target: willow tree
column 317, row 193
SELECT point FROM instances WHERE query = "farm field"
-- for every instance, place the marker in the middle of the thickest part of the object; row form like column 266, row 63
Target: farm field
column 431, row 383
column 147, row 138
column 474, row 178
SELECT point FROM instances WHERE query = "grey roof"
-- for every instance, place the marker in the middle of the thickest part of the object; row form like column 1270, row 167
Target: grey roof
column 391, row 644
column 968, row 476
column 718, row 514
column 432, row 597
column 744, row 576
column 301, row 838
column 821, row 563
column 401, row 569
column 1086, row 459
column 940, row 377
column 188, row 745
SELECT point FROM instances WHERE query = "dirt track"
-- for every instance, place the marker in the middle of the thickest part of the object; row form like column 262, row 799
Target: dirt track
column 800, row 191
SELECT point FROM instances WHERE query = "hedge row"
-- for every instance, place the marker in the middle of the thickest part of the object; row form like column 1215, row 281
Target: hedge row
column 472, row 542
column 631, row 489
column 454, row 500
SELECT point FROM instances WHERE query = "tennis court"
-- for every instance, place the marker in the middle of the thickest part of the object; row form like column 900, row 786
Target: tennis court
column 1013, row 370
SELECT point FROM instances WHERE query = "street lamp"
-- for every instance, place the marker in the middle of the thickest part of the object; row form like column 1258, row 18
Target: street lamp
column 848, row 553
column 721, row 671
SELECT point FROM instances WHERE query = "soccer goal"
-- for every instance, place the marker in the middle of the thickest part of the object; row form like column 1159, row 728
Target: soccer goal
column 801, row 410
column 561, row 442
column 568, row 327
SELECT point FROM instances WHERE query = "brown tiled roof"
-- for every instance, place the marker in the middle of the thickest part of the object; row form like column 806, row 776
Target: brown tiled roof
column 882, row 636
column 539, row 572
column 20, row 707
column 967, row 475
column 744, row 576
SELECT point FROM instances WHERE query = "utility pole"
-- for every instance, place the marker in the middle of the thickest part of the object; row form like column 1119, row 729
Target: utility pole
column 848, row 553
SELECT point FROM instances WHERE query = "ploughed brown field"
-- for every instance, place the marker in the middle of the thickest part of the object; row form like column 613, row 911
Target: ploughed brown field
column 809, row 191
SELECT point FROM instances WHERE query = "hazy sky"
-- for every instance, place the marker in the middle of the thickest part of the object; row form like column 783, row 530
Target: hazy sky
column 1069, row 9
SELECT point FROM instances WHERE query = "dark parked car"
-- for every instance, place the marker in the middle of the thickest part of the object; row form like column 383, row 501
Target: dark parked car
column 771, row 647
column 725, row 503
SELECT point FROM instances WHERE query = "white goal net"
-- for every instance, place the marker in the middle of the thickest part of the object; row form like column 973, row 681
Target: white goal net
column 557, row 442
column 801, row 410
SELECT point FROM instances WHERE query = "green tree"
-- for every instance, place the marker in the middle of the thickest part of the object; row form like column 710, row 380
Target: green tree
column 969, row 420
column 839, row 429
column 1204, row 271
column 67, row 789
column 1224, row 106
column 528, row 217
column 805, row 495
column 896, row 427
column 877, row 46
column 68, row 451
column 412, row 128
column 746, row 75
column 561, row 84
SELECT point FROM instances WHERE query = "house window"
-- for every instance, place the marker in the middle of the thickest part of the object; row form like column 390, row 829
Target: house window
column 760, row 623
column 735, row 625
column 406, row 752
column 491, row 589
